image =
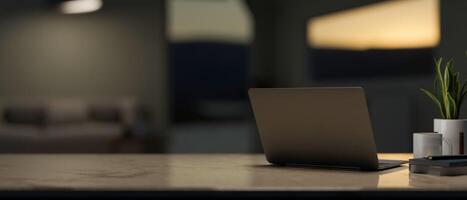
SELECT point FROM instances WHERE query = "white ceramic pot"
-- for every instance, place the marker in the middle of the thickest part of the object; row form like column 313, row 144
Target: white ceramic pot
column 453, row 135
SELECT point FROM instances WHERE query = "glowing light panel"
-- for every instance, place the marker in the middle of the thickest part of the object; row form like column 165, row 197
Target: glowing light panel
column 386, row 25
column 80, row 6
column 227, row 20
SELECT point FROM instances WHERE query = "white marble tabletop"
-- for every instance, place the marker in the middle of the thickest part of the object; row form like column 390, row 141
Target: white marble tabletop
column 233, row 172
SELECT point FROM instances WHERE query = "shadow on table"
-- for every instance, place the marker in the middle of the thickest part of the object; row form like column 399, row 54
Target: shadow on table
column 305, row 176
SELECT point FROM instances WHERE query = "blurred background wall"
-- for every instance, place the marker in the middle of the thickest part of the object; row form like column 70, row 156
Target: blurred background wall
column 119, row 52
column 184, row 67
column 284, row 56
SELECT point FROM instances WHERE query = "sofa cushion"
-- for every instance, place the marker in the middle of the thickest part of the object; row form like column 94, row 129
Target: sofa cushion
column 105, row 113
column 66, row 111
column 64, row 138
column 25, row 114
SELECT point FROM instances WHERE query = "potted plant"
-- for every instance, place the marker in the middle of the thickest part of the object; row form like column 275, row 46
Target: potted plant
column 448, row 96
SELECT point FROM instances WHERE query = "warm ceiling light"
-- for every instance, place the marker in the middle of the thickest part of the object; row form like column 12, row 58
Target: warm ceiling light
column 80, row 6
column 386, row 25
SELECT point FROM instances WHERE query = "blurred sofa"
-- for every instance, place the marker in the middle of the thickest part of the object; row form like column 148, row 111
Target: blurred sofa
column 68, row 125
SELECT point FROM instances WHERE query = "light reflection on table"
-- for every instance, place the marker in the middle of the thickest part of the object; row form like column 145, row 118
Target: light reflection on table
column 200, row 172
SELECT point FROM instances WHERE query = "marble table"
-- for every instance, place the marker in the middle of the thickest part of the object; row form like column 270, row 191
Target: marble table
column 157, row 174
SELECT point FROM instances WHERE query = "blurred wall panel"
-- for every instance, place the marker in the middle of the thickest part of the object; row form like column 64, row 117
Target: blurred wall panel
column 454, row 35
column 279, row 51
column 280, row 59
column 118, row 51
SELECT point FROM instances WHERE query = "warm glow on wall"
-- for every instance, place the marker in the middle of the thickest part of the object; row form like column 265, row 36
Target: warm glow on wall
column 80, row 6
column 386, row 25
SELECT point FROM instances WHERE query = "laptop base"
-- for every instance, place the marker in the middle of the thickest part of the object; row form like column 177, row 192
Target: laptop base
column 389, row 164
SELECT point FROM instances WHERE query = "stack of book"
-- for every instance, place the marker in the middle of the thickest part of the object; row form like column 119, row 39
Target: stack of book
column 439, row 165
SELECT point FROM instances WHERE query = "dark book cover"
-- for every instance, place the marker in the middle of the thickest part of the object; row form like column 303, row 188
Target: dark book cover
column 439, row 163
column 438, row 171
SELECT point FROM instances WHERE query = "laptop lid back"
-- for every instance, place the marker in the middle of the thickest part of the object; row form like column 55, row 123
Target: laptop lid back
column 316, row 126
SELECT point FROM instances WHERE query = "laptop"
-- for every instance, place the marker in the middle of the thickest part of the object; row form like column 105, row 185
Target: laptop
column 319, row 126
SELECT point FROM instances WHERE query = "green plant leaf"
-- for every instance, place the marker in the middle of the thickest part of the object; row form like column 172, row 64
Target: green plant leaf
column 433, row 97
column 439, row 76
column 449, row 92
column 461, row 91
column 442, row 87
column 452, row 107
column 453, row 83
column 447, row 77
column 457, row 89
column 461, row 99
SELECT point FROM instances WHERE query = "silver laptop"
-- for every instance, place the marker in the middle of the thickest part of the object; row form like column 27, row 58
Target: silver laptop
column 327, row 127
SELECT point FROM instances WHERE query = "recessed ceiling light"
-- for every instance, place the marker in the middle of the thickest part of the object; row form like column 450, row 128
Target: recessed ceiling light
column 80, row 6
